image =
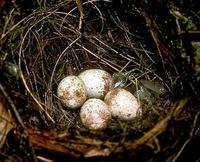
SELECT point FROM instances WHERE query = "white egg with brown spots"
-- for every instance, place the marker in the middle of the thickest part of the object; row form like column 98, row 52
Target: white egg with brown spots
column 95, row 114
column 122, row 104
column 71, row 91
column 97, row 82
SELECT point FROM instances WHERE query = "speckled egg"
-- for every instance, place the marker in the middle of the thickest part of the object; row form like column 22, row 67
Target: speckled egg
column 71, row 91
column 95, row 114
column 97, row 82
column 122, row 104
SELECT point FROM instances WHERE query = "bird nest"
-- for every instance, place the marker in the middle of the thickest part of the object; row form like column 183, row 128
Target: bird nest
column 53, row 43
column 52, row 48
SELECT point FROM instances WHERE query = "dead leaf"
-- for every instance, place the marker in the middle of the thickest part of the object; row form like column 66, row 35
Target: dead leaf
column 5, row 123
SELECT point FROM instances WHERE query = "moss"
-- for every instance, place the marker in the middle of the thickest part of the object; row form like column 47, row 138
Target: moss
column 196, row 46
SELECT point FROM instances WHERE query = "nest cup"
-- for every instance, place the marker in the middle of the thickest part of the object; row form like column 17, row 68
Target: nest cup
column 53, row 48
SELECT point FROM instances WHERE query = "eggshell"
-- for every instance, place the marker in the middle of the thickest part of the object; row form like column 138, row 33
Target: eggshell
column 71, row 91
column 97, row 82
column 122, row 104
column 94, row 114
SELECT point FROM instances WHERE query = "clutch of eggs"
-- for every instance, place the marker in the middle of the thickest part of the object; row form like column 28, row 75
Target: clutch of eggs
column 96, row 84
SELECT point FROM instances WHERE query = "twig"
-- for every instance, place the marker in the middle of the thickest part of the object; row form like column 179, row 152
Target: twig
column 194, row 125
column 80, row 8
column 20, row 69
column 14, row 109
column 159, row 128
column 103, row 60
column 12, row 106
column 162, row 49
column 101, row 16
column 43, row 159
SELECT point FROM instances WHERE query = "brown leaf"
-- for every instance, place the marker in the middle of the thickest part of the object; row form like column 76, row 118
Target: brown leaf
column 5, row 123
